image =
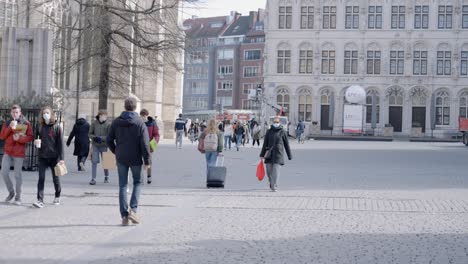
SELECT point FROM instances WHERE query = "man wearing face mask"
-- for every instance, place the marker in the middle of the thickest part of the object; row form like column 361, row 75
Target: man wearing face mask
column 16, row 133
column 98, row 135
column 274, row 145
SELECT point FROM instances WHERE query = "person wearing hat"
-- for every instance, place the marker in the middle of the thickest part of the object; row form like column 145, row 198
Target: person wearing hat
column 98, row 135
column 80, row 133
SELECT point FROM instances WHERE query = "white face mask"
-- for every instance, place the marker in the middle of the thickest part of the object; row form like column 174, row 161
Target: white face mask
column 102, row 118
column 276, row 125
column 46, row 117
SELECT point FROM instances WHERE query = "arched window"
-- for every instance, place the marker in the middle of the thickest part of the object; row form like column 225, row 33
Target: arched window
column 419, row 96
column 372, row 95
column 464, row 104
column 305, row 105
column 395, row 97
column 442, row 108
column 283, row 100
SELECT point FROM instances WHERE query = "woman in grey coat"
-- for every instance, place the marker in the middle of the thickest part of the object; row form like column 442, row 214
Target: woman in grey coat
column 274, row 145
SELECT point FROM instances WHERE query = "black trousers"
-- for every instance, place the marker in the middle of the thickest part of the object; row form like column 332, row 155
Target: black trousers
column 256, row 140
column 43, row 165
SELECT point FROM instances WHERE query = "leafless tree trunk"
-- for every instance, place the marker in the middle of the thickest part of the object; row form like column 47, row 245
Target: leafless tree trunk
column 118, row 38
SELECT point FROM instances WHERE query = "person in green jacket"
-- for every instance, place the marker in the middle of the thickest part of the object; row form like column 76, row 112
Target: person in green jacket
column 98, row 135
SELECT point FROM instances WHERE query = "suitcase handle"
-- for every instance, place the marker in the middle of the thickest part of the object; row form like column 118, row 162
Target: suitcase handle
column 220, row 161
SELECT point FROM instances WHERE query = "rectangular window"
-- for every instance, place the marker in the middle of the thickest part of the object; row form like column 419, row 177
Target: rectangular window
column 284, row 61
column 329, row 17
column 252, row 55
column 307, row 17
column 373, row 62
column 397, row 62
column 445, row 17
column 225, row 70
column 398, row 17
column 224, row 101
column 350, row 62
column 420, row 62
column 352, row 17
column 465, row 16
column 305, row 61
column 247, row 87
column 328, row 62
column 251, row 71
column 375, row 17
column 464, row 63
column 225, row 54
column 225, row 85
column 444, row 62
column 421, row 17
column 285, row 17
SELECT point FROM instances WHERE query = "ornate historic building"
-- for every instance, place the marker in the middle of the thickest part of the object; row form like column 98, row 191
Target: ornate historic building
column 410, row 56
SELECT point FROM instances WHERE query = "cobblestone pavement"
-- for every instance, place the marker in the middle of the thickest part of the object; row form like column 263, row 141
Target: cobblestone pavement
column 339, row 202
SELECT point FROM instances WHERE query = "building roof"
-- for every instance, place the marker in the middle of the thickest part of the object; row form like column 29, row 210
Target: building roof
column 257, row 30
column 239, row 27
column 205, row 27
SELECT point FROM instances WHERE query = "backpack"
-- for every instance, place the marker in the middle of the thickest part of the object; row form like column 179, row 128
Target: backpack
column 211, row 142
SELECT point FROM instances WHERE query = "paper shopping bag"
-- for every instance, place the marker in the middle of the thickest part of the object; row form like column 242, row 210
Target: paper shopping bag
column 108, row 161
column 60, row 170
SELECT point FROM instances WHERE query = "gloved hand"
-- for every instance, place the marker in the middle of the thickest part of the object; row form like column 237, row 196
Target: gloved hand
column 98, row 140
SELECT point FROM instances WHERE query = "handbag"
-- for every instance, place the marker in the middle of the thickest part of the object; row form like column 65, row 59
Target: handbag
column 260, row 171
column 60, row 170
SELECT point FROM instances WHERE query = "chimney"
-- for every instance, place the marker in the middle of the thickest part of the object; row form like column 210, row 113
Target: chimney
column 252, row 19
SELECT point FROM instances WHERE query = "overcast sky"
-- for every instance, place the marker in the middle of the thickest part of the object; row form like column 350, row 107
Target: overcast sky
column 208, row 8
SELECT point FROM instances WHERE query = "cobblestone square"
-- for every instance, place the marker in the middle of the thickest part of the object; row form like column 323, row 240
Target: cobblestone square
column 338, row 202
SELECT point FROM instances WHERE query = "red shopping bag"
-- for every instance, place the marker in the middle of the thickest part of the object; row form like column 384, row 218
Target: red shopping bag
column 260, row 171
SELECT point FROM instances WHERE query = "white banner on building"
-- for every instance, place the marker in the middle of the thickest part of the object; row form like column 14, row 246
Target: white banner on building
column 352, row 119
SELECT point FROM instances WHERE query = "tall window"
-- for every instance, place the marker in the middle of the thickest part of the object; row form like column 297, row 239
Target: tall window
column 328, row 62
column 465, row 16
column 464, row 63
column 371, row 95
column 444, row 62
column 421, row 17
column 420, row 62
column 282, row 99
column 464, row 105
column 329, row 17
column 374, row 20
column 285, row 17
column 373, row 61
column 352, row 17
column 284, row 61
column 305, row 61
column 398, row 17
column 445, row 16
column 307, row 17
column 251, row 71
column 397, row 62
column 252, row 55
column 442, row 108
column 350, row 62
column 305, row 106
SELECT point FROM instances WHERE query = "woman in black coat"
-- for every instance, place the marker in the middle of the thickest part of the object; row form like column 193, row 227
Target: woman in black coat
column 80, row 133
column 274, row 145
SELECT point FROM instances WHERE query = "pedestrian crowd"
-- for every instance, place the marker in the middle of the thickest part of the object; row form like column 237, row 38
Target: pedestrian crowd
column 129, row 140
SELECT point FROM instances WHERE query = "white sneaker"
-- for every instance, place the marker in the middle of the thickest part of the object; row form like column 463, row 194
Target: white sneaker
column 38, row 204
column 18, row 202
column 56, row 201
column 82, row 166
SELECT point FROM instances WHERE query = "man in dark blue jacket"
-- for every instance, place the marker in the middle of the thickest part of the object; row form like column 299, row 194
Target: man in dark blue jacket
column 180, row 130
column 128, row 139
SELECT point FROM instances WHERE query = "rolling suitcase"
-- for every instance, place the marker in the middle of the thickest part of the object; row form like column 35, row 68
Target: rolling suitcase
column 216, row 175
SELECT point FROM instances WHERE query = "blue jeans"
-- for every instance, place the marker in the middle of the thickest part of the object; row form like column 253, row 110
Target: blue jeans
column 238, row 140
column 211, row 158
column 123, row 182
column 227, row 140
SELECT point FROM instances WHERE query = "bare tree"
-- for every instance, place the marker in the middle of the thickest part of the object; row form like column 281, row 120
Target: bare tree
column 108, row 42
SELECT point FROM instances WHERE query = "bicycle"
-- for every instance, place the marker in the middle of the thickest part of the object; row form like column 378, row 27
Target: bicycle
column 302, row 138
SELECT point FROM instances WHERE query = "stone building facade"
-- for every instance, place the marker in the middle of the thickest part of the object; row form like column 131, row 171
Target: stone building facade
column 410, row 56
